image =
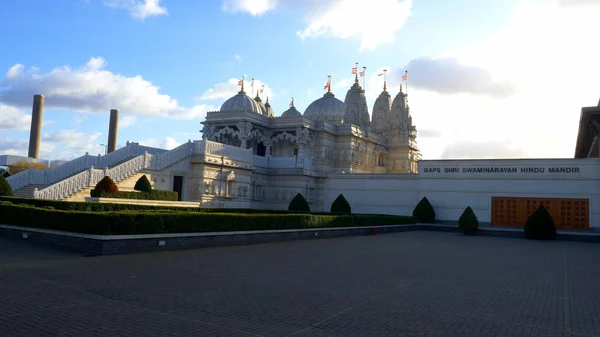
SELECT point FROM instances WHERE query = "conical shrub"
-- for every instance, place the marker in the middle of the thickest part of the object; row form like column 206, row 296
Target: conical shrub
column 5, row 189
column 340, row 205
column 299, row 204
column 106, row 185
column 143, row 184
column 468, row 223
column 540, row 225
column 424, row 211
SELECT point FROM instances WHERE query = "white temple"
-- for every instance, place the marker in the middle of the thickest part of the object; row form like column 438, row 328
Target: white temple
column 249, row 158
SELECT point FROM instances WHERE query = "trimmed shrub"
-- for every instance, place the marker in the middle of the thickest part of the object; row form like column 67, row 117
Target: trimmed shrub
column 5, row 189
column 152, row 195
column 340, row 205
column 106, row 185
column 6, row 174
column 153, row 222
column 143, row 184
column 424, row 211
column 540, row 225
column 468, row 223
column 299, row 204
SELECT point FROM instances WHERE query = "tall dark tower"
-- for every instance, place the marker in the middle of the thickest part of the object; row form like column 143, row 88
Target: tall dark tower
column 112, row 130
column 36, row 126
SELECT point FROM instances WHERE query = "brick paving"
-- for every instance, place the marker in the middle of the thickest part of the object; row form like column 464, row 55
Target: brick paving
column 406, row 284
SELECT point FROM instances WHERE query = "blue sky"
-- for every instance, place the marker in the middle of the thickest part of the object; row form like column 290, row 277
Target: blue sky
column 480, row 71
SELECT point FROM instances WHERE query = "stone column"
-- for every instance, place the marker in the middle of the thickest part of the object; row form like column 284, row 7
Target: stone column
column 112, row 130
column 36, row 126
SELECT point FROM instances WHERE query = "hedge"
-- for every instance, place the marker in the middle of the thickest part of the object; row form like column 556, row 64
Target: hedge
column 152, row 195
column 164, row 221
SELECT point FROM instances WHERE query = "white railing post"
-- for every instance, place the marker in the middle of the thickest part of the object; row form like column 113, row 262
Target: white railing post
column 105, row 172
column 90, row 182
column 35, row 193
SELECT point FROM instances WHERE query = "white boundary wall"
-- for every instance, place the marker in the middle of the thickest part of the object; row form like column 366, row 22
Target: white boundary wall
column 452, row 185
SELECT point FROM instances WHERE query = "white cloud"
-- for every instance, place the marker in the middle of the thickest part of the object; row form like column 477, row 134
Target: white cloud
column 139, row 9
column 343, row 19
column 64, row 144
column 225, row 90
column 553, row 69
column 253, row 7
column 127, row 121
column 447, row 75
column 482, row 150
column 14, row 71
column 167, row 143
column 92, row 89
column 15, row 147
column 12, row 118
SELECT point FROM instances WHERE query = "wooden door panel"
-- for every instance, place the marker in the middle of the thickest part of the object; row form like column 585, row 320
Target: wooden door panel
column 567, row 213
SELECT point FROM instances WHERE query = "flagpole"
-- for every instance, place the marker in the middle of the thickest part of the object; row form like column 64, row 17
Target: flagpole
column 364, row 77
column 384, row 79
column 406, row 73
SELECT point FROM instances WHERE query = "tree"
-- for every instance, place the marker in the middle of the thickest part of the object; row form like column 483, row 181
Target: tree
column 424, row 211
column 23, row 165
column 299, row 204
column 468, row 222
column 5, row 189
column 143, row 184
column 340, row 205
column 106, row 185
column 540, row 225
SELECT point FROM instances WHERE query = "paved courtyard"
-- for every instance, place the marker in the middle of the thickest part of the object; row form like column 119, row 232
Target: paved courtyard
column 406, row 284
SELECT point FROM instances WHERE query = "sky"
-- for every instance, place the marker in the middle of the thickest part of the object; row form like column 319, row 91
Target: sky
column 487, row 78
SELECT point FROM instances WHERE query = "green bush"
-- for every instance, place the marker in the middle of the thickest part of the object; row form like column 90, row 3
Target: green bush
column 5, row 189
column 299, row 204
column 340, row 205
column 6, row 174
column 143, row 184
column 468, row 223
column 106, row 185
column 152, row 195
column 540, row 225
column 424, row 211
column 163, row 221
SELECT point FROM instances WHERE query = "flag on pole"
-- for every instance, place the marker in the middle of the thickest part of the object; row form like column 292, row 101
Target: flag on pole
column 404, row 77
column 326, row 85
column 240, row 82
column 292, row 102
column 354, row 70
column 362, row 73
column 252, row 84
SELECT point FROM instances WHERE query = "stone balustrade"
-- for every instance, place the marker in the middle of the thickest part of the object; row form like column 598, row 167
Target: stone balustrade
column 231, row 152
column 70, row 168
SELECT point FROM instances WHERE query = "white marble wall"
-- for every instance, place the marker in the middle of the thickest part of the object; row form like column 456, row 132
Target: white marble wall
column 450, row 187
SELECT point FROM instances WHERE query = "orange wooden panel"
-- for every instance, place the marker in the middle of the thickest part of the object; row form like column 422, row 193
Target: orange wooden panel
column 514, row 211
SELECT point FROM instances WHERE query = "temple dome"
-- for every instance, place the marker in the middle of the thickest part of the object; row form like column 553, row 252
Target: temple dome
column 241, row 102
column 291, row 112
column 327, row 108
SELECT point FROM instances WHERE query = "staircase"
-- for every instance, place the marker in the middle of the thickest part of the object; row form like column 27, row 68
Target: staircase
column 27, row 191
column 126, row 184
column 76, row 179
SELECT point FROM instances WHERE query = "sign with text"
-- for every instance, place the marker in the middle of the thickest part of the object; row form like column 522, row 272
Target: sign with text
column 503, row 169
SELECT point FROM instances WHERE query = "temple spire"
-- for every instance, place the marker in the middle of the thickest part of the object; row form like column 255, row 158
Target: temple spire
column 243, row 79
column 356, row 73
column 328, row 83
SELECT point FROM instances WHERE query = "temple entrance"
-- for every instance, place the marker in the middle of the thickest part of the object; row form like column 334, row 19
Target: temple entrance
column 567, row 213
column 178, row 186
